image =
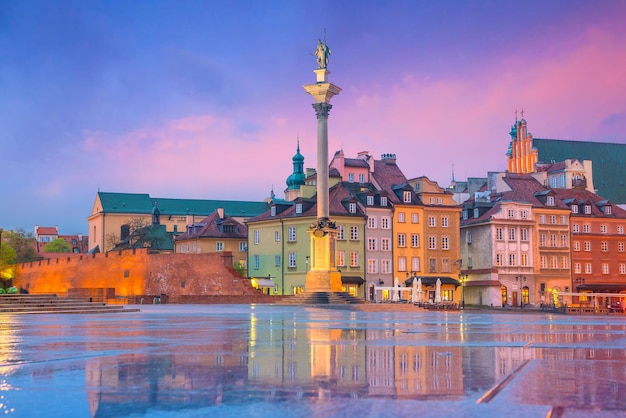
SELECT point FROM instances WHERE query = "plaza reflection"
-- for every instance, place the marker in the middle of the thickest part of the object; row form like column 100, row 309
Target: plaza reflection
column 272, row 358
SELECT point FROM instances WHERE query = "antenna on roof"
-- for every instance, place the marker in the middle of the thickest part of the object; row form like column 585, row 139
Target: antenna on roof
column 452, row 170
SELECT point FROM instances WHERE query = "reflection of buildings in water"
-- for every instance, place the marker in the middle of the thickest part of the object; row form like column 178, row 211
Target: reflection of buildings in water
column 195, row 376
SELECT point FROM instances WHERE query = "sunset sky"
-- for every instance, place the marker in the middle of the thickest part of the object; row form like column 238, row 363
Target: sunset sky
column 204, row 99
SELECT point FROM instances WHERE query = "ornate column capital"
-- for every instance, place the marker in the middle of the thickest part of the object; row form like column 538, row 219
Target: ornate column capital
column 322, row 109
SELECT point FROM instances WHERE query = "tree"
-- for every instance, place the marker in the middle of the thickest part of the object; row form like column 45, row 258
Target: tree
column 7, row 261
column 23, row 243
column 58, row 245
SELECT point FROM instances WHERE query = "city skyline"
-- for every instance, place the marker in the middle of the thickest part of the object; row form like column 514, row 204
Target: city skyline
column 204, row 100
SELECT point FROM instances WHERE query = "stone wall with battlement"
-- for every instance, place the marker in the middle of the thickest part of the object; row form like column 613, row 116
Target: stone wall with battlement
column 137, row 272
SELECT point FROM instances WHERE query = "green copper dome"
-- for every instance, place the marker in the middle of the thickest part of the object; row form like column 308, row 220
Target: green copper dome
column 296, row 179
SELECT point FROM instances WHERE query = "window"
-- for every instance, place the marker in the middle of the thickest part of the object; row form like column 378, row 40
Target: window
column 604, row 246
column 383, row 201
column 371, row 222
column 587, row 246
column 563, row 240
column 511, row 234
column 385, row 266
column 385, row 222
column 553, row 262
column 243, row 246
column 468, row 237
column 401, row 263
column 354, row 233
column 385, row 244
column 341, row 258
column 587, row 209
column 555, row 183
column 550, row 201
column 577, row 268
column 414, row 217
column 512, row 260
column 401, row 217
column 564, row 262
column 563, row 220
column 256, row 237
column 620, row 246
column 277, row 236
column 445, row 243
column 372, row 244
column 444, row 221
column 415, row 264
column 586, row 228
column 439, row 201
column 292, row 234
column 292, row 259
column 432, row 221
column 298, row 208
column 273, row 211
column 607, row 210
column 361, row 178
column 553, row 240
column 401, row 240
column 524, row 259
column 255, row 262
column 372, row 266
column 277, row 261
column 445, row 265
column 499, row 234
column 219, row 246
column 523, row 214
column 352, row 207
column 552, row 219
column 542, row 219
column 622, row 268
column 620, row 229
column 544, row 262
column 341, row 232
column 499, row 259
column 588, row 268
column 574, row 208
column 603, row 229
column 576, row 228
column 350, row 177
column 563, row 184
column 576, row 246
column 406, row 197
column 370, row 200
column 476, row 213
column 605, row 268
column 465, row 215
column 511, row 213
column 432, row 243
column 432, row 265
column 523, row 234
column 415, row 240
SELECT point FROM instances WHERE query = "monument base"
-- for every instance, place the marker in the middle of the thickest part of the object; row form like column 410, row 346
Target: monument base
column 322, row 281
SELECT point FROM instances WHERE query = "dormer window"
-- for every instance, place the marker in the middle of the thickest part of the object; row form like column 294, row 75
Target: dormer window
column 273, row 211
column 550, row 201
column 370, row 200
column 476, row 213
column 383, row 201
column 574, row 208
column 352, row 207
column 298, row 208
column 407, row 197
column 587, row 209
column 465, row 215
column 607, row 210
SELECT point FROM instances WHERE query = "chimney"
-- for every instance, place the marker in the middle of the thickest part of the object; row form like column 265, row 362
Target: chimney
column 220, row 212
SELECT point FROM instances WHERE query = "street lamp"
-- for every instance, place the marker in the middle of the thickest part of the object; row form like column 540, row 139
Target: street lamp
column 522, row 282
column 463, row 279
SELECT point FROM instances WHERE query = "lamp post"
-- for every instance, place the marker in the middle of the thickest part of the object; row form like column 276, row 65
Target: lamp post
column 522, row 281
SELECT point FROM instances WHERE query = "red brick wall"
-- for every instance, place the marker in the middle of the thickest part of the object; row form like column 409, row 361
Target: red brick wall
column 135, row 272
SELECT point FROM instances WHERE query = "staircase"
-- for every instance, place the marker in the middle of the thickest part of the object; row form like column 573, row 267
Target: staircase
column 38, row 304
column 321, row 298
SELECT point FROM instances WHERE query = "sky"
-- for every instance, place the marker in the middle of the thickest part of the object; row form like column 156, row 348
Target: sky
column 204, row 100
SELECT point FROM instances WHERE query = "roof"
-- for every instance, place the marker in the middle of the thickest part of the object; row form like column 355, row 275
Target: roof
column 213, row 227
column 387, row 174
column 142, row 203
column 608, row 159
column 46, row 230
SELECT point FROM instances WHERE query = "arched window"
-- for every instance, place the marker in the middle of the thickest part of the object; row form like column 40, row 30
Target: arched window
column 504, row 296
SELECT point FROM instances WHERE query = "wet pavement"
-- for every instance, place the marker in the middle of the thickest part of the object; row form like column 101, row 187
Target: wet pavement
column 262, row 360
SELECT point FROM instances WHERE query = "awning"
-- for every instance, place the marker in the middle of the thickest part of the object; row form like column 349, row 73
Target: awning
column 602, row 287
column 477, row 283
column 264, row 282
column 432, row 280
column 352, row 280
